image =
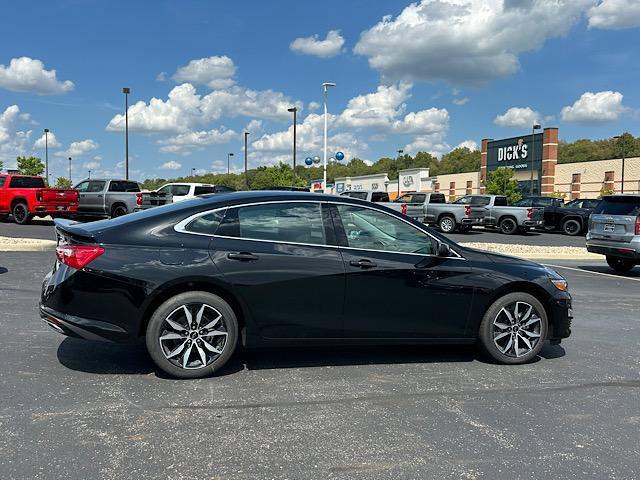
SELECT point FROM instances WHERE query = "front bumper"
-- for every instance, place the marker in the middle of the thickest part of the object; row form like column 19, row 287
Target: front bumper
column 561, row 316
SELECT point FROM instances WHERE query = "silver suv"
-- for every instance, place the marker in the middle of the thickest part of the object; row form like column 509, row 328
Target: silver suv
column 614, row 231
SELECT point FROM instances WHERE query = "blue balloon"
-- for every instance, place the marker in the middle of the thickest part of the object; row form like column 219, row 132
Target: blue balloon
column 308, row 160
column 339, row 156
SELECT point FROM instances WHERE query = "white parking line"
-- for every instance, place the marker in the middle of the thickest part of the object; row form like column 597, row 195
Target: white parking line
column 619, row 277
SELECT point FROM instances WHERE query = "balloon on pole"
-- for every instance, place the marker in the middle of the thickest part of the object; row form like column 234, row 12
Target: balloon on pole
column 308, row 161
column 339, row 156
column 316, row 160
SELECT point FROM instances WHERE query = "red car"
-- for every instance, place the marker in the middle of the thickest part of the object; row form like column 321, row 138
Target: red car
column 26, row 197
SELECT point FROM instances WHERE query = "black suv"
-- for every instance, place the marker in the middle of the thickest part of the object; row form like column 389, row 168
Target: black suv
column 572, row 219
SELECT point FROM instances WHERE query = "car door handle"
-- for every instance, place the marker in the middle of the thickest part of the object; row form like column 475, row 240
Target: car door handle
column 364, row 263
column 242, row 256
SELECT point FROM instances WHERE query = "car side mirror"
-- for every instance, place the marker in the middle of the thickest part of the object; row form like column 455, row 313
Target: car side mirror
column 444, row 250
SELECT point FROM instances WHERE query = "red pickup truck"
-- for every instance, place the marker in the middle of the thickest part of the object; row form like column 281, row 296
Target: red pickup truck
column 26, row 197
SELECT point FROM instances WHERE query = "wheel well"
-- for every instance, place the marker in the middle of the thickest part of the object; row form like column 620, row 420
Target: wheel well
column 119, row 204
column 577, row 219
column 446, row 214
column 191, row 286
column 532, row 289
column 507, row 216
column 18, row 200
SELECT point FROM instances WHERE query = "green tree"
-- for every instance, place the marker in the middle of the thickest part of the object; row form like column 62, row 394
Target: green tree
column 62, row 182
column 458, row 160
column 502, row 182
column 583, row 150
column 1, row 165
column 30, row 165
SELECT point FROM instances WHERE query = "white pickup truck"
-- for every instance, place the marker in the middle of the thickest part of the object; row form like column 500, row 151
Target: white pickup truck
column 187, row 191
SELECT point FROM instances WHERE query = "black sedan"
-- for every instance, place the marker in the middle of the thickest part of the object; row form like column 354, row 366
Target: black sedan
column 198, row 277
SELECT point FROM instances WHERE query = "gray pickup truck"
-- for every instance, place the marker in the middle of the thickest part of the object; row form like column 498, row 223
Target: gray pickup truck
column 433, row 209
column 497, row 213
column 113, row 198
column 368, row 195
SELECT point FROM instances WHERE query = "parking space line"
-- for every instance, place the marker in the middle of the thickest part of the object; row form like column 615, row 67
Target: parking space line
column 594, row 273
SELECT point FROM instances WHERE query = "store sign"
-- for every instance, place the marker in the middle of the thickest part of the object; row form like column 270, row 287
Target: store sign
column 407, row 180
column 339, row 187
column 515, row 153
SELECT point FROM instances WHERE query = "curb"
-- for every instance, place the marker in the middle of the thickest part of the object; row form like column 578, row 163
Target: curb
column 10, row 244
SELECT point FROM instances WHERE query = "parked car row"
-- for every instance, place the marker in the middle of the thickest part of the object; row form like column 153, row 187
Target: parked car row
column 493, row 211
column 25, row 197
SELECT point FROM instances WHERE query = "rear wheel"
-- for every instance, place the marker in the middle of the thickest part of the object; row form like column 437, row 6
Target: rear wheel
column 192, row 335
column 447, row 224
column 620, row 264
column 514, row 328
column 21, row 213
column 508, row 226
column 571, row 227
column 118, row 211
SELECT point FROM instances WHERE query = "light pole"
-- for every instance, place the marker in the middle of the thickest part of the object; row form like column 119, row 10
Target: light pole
column 46, row 154
column 193, row 171
column 400, row 152
column 325, row 87
column 621, row 137
column 89, row 174
column 295, row 116
column 126, row 91
column 229, row 155
column 70, row 170
column 533, row 154
column 246, row 178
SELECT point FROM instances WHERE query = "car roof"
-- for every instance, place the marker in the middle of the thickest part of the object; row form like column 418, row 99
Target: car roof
column 190, row 184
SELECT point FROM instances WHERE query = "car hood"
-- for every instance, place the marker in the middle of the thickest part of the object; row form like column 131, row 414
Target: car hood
column 504, row 259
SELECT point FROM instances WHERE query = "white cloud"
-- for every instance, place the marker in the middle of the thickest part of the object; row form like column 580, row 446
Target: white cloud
column 7, row 119
column 91, row 165
column 460, row 101
column 184, row 143
column 170, row 165
column 599, row 107
column 517, row 117
column 215, row 72
column 313, row 106
column 423, row 122
column 470, row 144
column 52, row 141
column 254, row 127
column 78, row 149
column 26, row 74
column 161, row 77
column 464, row 41
column 12, row 142
column 434, row 144
column 614, row 14
column 327, row 48
column 185, row 109
column 377, row 109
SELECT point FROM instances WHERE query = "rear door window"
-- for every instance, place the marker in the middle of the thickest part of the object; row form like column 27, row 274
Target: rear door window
column 358, row 195
column 627, row 205
column 180, row 190
column 437, row 198
column 206, row 224
column 500, row 202
column 379, row 197
column 295, row 222
column 524, row 202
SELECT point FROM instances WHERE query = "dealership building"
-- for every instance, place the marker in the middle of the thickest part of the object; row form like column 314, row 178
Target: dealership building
column 534, row 161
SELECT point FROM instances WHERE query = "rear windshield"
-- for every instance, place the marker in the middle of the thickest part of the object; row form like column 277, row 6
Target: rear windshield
column 203, row 190
column 619, row 206
column 500, row 202
column 473, row 200
column 26, row 182
column 123, row 186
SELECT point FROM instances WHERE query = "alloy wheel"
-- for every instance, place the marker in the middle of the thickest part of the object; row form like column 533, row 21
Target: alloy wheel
column 517, row 329
column 19, row 212
column 193, row 335
column 447, row 224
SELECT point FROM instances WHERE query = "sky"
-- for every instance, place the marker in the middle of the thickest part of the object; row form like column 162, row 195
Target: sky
column 425, row 76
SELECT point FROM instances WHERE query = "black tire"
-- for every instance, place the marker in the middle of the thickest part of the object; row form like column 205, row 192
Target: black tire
column 488, row 330
column 620, row 264
column 4, row 217
column 571, row 227
column 447, row 224
column 508, row 226
column 20, row 212
column 118, row 211
column 158, row 327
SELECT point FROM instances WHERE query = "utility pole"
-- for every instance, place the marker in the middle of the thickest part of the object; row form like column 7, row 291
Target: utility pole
column 325, row 86
column 70, row 170
column 246, row 177
column 46, row 154
column 295, row 113
column 533, row 154
column 126, row 91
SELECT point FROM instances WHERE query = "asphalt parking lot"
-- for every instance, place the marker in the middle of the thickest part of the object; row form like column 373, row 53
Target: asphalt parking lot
column 77, row 409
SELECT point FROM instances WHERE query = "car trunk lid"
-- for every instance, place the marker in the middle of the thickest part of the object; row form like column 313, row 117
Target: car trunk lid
column 58, row 196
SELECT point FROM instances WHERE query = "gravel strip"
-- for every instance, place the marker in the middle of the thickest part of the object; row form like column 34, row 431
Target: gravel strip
column 9, row 244
column 536, row 251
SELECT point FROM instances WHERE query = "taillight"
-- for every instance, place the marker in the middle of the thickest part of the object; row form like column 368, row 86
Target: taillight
column 529, row 213
column 39, row 195
column 138, row 199
column 404, row 208
column 638, row 225
column 78, row 256
column 467, row 210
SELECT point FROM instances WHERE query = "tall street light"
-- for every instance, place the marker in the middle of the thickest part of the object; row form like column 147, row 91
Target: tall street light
column 70, row 170
column 533, row 154
column 193, row 171
column 621, row 137
column 89, row 175
column 246, row 178
column 46, row 154
column 325, row 87
column 229, row 155
column 295, row 116
column 126, row 91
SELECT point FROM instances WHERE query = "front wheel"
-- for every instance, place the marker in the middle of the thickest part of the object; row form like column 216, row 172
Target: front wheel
column 21, row 213
column 447, row 224
column 192, row 335
column 514, row 328
column 571, row 227
column 620, row 264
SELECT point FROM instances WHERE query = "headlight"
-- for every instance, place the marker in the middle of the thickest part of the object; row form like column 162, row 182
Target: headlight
column 558, row 280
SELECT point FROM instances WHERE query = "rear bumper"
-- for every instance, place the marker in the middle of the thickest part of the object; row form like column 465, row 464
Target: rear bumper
column 614, row 250
column 46, row 209
column 533, row 223
column 78, row 327
column 472, row 221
